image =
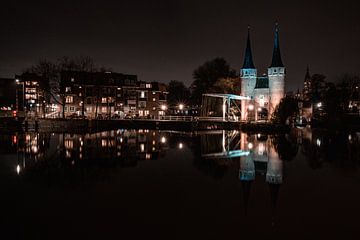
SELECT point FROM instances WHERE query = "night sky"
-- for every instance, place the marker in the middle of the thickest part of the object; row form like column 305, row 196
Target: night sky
column 165, row 40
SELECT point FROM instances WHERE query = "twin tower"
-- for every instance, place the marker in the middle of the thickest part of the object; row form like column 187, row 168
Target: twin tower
column 265, row 91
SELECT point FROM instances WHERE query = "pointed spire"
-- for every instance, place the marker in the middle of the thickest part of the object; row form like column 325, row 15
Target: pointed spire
column 276, row 58
column 248, row 60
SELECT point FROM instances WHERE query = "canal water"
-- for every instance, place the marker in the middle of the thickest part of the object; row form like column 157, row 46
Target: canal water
column 145, row 184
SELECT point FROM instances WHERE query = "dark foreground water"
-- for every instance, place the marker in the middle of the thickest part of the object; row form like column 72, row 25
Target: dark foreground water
column 128, row 184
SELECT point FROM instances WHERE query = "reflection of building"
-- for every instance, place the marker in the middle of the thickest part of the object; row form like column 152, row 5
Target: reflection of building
column 265, row 91
column 127, row 145
column 257, row 153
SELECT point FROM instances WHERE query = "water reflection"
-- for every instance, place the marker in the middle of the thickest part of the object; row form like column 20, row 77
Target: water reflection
column 205, row 175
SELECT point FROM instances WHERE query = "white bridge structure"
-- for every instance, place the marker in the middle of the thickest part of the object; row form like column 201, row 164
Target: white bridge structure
column 221, row 107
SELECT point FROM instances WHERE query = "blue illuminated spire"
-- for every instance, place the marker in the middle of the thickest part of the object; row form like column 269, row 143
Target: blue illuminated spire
column 276, row 58
column 248, row 61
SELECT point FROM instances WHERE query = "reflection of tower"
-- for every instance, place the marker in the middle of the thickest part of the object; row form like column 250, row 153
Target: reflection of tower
column 248, row 78
column 276, row 73
column 246, row 176
column 274, row 177
column 274, row 167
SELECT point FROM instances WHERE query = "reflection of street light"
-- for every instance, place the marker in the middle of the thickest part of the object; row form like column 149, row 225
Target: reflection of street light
column 180, row 146
column 18, row 169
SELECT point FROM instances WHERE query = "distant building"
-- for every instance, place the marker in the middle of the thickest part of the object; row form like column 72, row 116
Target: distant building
column 109, row 94
column 265, row 91
column 29, row 96
column 7, row 94
column 98, row 94
column 152, row 99
column 306, row 93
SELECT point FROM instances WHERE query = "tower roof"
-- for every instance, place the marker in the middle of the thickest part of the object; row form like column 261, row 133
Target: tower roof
column 276, row 58
column 248, row 60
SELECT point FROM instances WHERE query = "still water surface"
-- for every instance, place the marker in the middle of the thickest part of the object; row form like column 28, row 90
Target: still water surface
column 136, row 184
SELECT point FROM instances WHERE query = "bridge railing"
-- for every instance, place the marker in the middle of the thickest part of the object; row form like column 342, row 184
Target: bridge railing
column 177, row 118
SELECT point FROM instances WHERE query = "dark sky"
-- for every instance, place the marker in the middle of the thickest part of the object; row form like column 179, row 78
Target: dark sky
column 166, row 40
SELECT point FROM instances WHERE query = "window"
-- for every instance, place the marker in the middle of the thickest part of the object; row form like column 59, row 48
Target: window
column 88, row 109
column 148, row 85
column 142, row 104
column 65, row 109
column 72, row 109
column 69, row 99
column 103, row 100
column 146, row 112
column 103, row 109
column 261, row 102
column 141, row 113
column 154, row 108
column 72, row 79
column 154, row 93
column 142, row 94
column 68, row 89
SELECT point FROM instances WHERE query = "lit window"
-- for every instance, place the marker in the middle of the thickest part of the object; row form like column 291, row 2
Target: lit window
column 142, row 94
column 72, row 109
column 68, row 89
column 103, row 109
column 146, row 112
column 148, row 85
column 69, row 99
column 154, row 99
column 141, row 113
column 154, row 93
column 72, row 79
column 103, row 100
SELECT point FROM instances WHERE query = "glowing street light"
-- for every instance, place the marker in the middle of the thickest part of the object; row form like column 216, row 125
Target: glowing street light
column 250, row 145
column 251, row 107
column 181, row 106
column 319, row 104
column 181, row 145
column 18, row 169
column 163, row 107
column 163, row 140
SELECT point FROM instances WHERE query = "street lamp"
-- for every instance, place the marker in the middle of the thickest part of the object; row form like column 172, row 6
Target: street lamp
column 163, row 107
column 251, row 107
column 181, row 106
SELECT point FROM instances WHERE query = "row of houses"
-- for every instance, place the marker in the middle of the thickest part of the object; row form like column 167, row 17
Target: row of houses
column 85, row 94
